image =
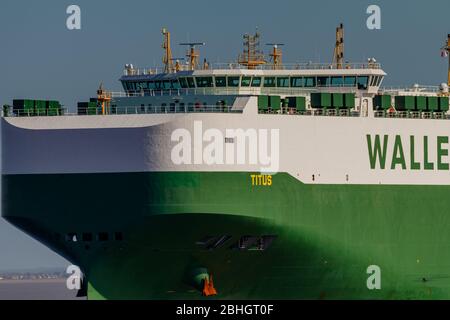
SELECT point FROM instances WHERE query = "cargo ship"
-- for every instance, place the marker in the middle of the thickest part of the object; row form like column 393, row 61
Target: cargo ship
column 254, row 179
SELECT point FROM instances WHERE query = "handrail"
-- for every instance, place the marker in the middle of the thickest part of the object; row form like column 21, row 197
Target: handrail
column 231, row 91
column 411, row 114
column 412, row 89
column 223, row 109
column 237, row 66
column 127, row 111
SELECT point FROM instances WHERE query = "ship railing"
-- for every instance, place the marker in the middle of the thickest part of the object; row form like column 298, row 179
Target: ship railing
column 127, row 110
column 201, row 108
column 37, row 113
column 296, row 66
column 411, row 114
column 314, row 112
column 237, row 66
column 413, row 90
column 232, row 91
column 169, row 109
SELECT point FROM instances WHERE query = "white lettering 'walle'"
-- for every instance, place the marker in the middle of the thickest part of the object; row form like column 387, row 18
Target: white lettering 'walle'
column 73, row 282
column 235, row 147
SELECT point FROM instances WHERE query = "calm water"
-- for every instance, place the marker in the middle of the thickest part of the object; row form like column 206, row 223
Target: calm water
column 36, row 290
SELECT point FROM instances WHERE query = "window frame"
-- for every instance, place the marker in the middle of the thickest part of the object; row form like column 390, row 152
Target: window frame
column 222, row 85
column 183, row 82
column 348, row 85
column 234, row 78
column 286, row 81
column 272, row 84
column 257, row 79
column 302, row 79
column 327, row 81
column 360, row 85
column 314, row 82
column 341, row 84
column 204, row 82
column 249, row 78
column 191, row 82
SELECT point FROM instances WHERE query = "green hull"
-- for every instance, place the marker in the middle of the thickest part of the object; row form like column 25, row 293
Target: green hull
column 326, row 235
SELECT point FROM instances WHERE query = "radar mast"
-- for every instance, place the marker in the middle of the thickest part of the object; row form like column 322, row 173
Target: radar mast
column 252, row 56
column 193, row 55
column 276, row 55
column 167, row 59
column 338, row 56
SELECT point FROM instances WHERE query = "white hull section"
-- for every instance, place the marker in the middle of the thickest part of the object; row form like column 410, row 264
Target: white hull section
column 313, row 149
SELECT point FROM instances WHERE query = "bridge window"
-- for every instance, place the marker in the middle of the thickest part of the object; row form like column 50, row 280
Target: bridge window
column 269, row 82
column 175, row 84
column 221, row 82
column 256, row 82
column 183, row 82
column 297, row 82
column 167, row 85
column 118, row 236
column 323, row 81
column 380, row 79
column 337, row 81
column 191, row 82
column 362, row 83
column 245, row 82
column 204, row 82
column 151, row 85
column 349, row 81
column 310, row 82
column 158, row 85
column 283, row 82
column 141, row 86
column 233, row 81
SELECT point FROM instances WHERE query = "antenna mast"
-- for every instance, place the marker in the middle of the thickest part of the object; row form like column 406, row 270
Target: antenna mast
column 252, row 56
column 167, row 59
column 447, row 54
column 276, row 55
column 104, row 98
column 338, row 56
column 193, row 55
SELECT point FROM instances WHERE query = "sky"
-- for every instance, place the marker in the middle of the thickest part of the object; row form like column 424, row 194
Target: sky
column 41, row 59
